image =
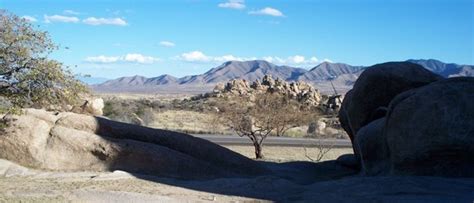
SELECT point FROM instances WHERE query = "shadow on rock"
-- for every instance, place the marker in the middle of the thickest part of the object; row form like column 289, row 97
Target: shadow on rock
column 75, row 142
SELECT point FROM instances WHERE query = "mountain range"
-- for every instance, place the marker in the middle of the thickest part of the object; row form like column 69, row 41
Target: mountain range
column 322, row 76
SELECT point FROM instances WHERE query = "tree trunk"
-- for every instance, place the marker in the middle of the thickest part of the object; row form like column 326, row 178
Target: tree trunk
column 258, row 151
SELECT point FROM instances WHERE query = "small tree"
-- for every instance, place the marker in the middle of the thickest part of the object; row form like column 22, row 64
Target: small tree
column 257, row 117
column 27, row 77
column 254, row 120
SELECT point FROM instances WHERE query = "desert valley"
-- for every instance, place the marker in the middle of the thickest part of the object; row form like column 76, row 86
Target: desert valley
column 95, row 109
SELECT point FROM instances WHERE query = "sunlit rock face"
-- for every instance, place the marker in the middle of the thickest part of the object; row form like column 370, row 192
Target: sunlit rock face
column 78, row 142
column 300, row 91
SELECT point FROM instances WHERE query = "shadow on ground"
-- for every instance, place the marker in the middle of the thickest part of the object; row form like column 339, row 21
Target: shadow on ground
column 222, row 171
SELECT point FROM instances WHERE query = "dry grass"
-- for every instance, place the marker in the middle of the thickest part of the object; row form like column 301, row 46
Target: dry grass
column 189, row 122
column 136, row 96
column 285, row 154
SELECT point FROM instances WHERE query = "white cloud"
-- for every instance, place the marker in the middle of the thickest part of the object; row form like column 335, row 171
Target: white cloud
column 199, row 57
column 104, row 21
column 102, row 59
column 314, row 60
column 194, row 56
column 292, row 60
column 227, row 58
column 131, row 58
column 138, row 58
column 233, row 4
column 268, row 11
column 297, row 59
column 71, row 12
column 60, row 18
column 167, row 44
column 274, row 59
column 327, row 60
column 30, row 18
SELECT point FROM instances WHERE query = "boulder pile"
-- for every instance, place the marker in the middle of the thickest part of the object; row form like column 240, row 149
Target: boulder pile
column 404, row 120
column 76, row 142
column 300, row 91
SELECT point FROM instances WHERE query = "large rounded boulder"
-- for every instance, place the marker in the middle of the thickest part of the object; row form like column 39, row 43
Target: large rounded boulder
column 76, row 142
column 375, row 88
column 430, row 130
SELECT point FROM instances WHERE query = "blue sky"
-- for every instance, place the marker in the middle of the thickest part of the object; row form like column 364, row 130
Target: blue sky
column 183, row 37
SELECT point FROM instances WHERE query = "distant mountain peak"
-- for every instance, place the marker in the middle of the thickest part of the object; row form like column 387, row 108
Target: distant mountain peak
column 340, row 74
column 444, row 69
column 328, row 70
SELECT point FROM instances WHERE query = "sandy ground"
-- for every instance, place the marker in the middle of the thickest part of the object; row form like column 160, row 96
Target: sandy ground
column 289, row 182
column 314, row 183
column 18, row 184
column 285, row 154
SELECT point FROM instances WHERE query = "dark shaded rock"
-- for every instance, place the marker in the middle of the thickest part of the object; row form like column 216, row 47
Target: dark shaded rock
column 430, row 130
column 371, row 146
column 376, row 87
column 348, row 160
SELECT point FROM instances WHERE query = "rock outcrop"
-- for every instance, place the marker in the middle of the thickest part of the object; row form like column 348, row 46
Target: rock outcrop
column 300, row 91
column 75, row 142
column 415, row 123
column 374, row 90
column 430, row 130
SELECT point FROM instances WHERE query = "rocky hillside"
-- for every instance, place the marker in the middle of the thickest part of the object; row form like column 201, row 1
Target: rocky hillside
column 445, row 69
column 247, row 70
column 327, row 71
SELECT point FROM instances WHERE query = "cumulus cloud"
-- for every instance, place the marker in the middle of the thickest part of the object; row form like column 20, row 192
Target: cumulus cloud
column 227, row 58
column 233, row 4
column 274, row 59
column 200, row 57
column 297, row 59
column 71, row 12
column 194, row 56
column 30, row 18
column 104, row 21
column 102, row 59
column 314, row 60
column 60, row 18
column 130, row 58
column 138, row 58
column 167, row 44
column 268, row 11
column 292, row 60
